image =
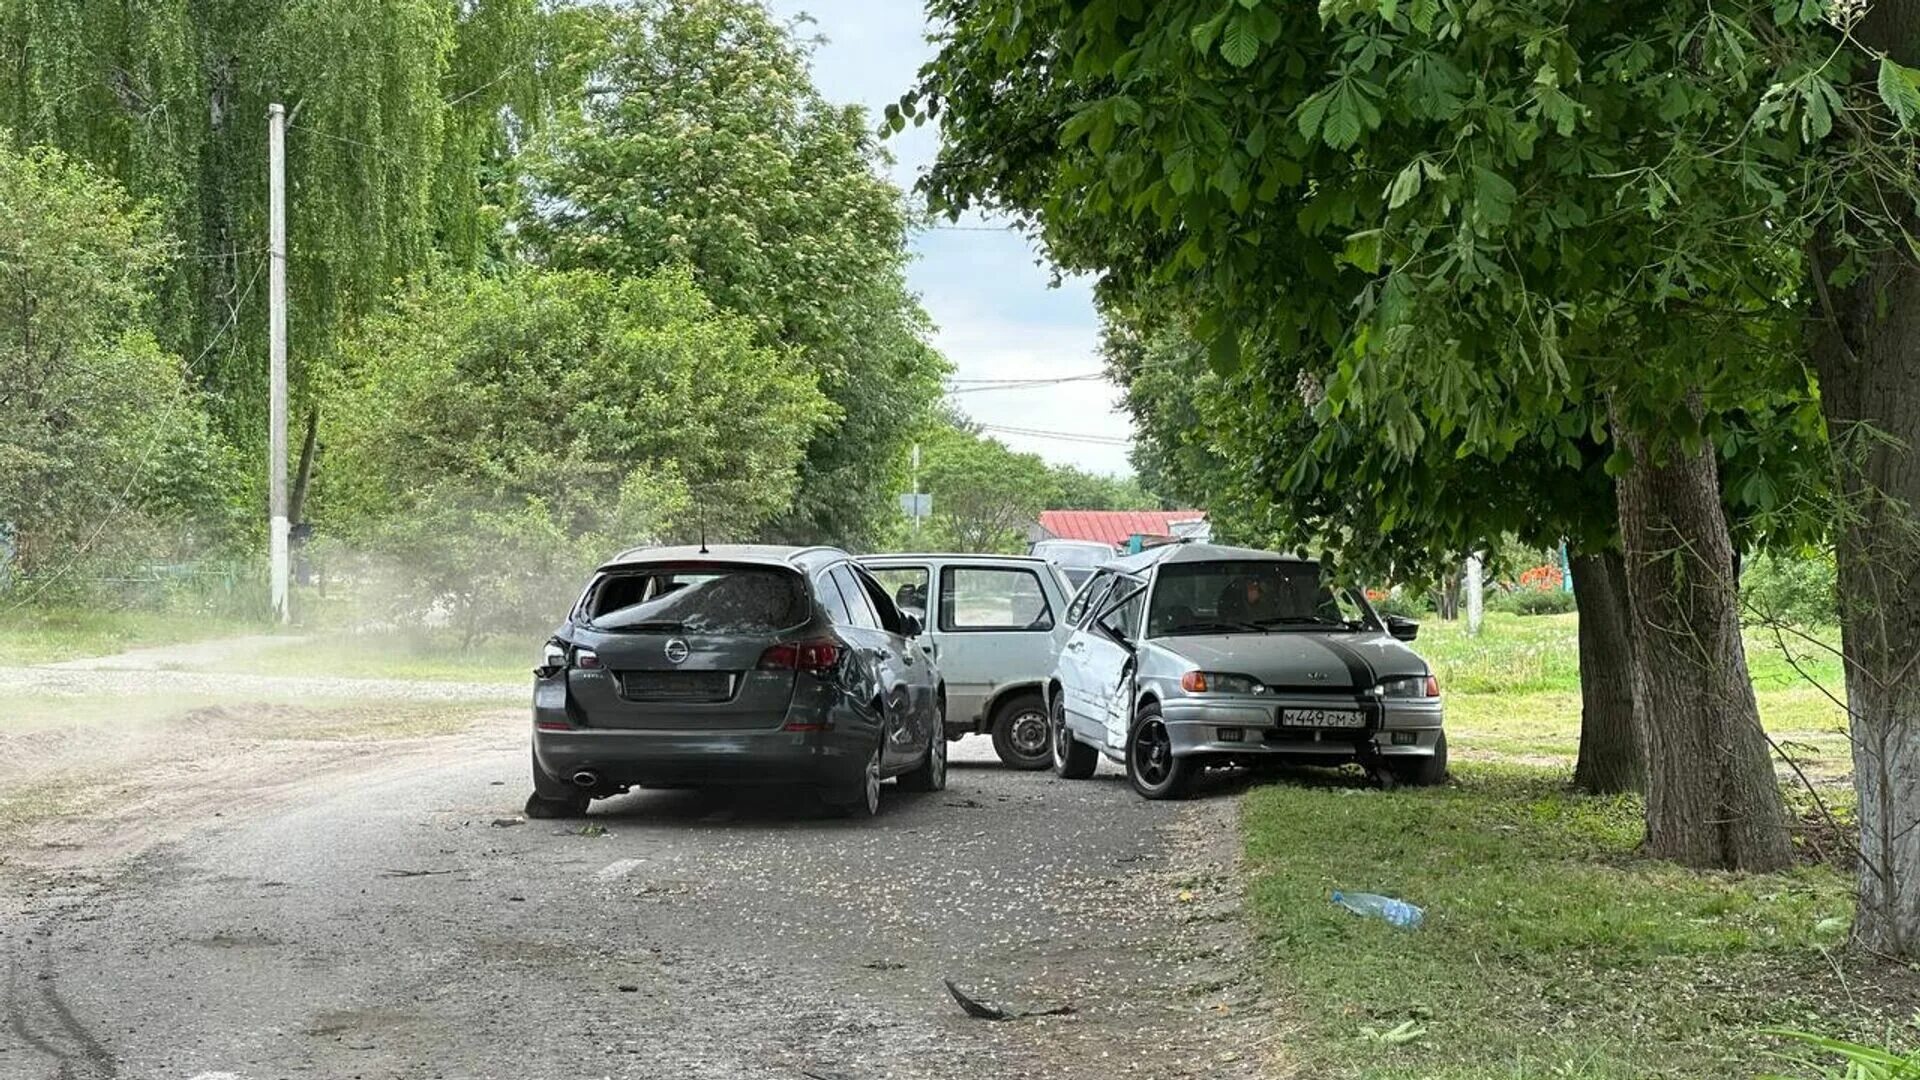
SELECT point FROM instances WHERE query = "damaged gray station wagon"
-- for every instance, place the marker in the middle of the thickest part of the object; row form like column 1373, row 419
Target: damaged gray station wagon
column 1187, row 656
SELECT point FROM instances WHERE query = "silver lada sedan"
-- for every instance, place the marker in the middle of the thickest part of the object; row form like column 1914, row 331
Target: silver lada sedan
column 1193, row 655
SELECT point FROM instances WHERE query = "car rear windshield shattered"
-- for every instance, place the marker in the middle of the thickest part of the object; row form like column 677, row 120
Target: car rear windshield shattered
column 707, row 600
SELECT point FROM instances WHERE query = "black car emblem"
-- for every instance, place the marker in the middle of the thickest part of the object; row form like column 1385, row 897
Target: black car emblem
column 677, row 651
column 1317, row 676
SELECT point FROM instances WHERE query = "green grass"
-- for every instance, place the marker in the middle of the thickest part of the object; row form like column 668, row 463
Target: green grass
column 1550, row 949
column 43, row 635
column 1514, row 691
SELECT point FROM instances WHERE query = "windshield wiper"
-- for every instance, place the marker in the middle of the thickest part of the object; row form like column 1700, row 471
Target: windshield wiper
column 1304, row 620
column 1216, row 627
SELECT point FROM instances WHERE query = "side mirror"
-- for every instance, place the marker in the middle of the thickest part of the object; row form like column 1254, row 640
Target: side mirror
column 1402, row 629
column 911, row 626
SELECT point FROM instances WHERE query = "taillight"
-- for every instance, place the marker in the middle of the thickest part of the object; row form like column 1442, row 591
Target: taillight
column 586, row 658
column 815, row 656
column 1433, row 686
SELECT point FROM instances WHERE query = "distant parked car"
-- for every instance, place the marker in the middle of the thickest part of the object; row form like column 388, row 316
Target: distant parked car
column 683, row 667
column 1077, row 559
column 996, row 624
column 1187, row 656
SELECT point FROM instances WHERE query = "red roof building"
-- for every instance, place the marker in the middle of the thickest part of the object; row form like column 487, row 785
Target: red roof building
column 1114, row 527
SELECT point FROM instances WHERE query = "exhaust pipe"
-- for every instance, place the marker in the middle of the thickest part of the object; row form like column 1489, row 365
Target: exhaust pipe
column 586, row 778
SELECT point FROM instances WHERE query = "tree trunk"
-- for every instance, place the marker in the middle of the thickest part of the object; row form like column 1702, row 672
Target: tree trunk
column 1613, row 748
column 1866, row 351
column 1712, row 800
column 303, row 476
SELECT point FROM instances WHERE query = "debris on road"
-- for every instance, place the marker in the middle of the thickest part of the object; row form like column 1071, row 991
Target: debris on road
column 416, row 873
column 508, row 822
column 981, row 1010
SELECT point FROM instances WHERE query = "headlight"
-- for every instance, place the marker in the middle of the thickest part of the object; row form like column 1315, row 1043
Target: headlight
column 1409, row 686
column 1213, row 682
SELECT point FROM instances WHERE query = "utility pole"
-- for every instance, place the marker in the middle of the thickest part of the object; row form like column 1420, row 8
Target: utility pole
column 916, row 489
column 277, row 357
column 1476, row 594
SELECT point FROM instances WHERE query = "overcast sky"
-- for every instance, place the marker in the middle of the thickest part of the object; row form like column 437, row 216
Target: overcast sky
column 986, row 290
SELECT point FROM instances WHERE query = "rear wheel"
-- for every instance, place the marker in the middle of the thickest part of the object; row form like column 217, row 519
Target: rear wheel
column 1421, row 771
column 1151, row 766
column 1072, row 759
column 1020, row 733
column 860, row 796
column 931, row 775
column 539, row 806
column 553, row 799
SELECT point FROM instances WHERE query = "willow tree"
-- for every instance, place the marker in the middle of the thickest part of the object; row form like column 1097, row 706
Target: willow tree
column 400, row 113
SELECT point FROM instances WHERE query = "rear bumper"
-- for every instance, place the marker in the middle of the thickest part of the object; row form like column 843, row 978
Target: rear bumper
column 628, row 758
column 1403, row 729
column 625, row 757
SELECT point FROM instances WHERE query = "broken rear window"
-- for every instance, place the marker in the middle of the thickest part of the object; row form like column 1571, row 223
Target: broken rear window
column 704, row 600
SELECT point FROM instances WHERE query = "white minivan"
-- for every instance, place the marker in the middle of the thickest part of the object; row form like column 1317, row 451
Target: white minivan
column 995, row 624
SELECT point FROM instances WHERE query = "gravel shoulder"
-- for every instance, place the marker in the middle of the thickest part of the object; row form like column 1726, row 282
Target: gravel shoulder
column 339, row 885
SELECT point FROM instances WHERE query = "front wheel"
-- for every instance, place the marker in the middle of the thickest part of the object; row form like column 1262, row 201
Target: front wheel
column 931, row 775
column 1072, row 759
column 1020, row 733
column 1152, row 768
column 1421, row 771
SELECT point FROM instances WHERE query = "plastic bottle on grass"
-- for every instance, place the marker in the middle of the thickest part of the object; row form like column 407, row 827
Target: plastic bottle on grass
column 1398, row 912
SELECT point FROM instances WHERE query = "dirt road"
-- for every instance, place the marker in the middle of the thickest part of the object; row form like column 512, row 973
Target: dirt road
column 345, row 907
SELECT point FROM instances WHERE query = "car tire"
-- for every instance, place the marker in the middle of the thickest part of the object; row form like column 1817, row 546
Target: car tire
column 1152, row 768
column 859, row 797
column 1072, row 759
column 1021, row 733
column 552, row 798
column 539, row 807
column 1421, row 771
column 931, row 773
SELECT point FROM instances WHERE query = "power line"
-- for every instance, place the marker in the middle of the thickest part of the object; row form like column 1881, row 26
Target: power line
column 1061, row 436
column 1089, row 376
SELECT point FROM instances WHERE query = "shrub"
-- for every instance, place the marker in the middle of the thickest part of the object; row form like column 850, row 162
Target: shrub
column 1533, row 602
column 1405, row 603
column 1794, row 589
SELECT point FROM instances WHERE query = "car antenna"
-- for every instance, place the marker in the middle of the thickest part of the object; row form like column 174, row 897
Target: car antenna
column 703, row 538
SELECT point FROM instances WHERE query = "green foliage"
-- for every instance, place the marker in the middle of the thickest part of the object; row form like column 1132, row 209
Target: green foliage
column 1524, row 601
column 1431, row 243
column 1407, row 604
column 493, row 437
column 1077, row 489
column 1840, row 1059
column 399, row 114
column 1791, row 588
column 105, row 452
column 985, row 496
column 704, row 141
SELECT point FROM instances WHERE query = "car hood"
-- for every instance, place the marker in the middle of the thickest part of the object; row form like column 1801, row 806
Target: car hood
column 1296, row 658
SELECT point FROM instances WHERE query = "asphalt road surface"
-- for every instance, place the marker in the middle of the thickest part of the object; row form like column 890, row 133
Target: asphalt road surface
column 393, row 917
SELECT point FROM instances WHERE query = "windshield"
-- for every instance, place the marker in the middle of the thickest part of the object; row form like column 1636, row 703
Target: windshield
column 707, row 600
column 1077, row 556
column 1249, row 596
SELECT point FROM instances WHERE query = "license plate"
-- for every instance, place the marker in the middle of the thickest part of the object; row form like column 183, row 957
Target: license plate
column 1331, row 718
column 676, row 685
